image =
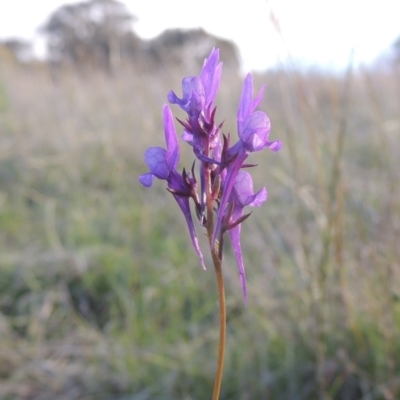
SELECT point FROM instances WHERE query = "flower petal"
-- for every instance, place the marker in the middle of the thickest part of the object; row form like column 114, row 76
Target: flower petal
column 258, row 198
column 258, row 99
column 237, row 248
column 276, row 145
column 255, row 131
column 193, row 96
column 172, row 155
column 243, row 187
column 169, row 129
column 155, row 158
column 146, row 179
column 246, row 99
column 187, row 137
column 244, row 191
column 211, row 75
column 229, row 182
column 185, row 207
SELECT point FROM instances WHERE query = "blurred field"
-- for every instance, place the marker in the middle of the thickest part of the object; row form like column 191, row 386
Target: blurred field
column 101, row 295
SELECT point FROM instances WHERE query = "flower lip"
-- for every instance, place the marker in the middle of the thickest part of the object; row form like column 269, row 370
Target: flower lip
column 254, row 131
column 193, row 96
column 155, row 158
column 243, row 191
column 146, row 179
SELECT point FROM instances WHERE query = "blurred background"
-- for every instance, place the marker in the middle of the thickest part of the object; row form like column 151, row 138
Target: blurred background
column 101, row 294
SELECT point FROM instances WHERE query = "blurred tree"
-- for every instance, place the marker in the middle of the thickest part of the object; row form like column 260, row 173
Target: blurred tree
column 93, row 32
column 18, row 49
column 188, row 48
column 98, row 33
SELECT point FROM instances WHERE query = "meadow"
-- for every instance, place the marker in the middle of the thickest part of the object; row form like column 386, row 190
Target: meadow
column 101, row 294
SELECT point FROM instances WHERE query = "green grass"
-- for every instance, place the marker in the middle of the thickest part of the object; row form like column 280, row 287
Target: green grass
column 101, row 294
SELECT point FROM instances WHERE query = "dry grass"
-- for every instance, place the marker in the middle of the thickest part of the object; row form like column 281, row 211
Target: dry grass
column 101, row 296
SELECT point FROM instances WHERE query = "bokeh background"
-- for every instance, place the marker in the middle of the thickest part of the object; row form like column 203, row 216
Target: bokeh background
column 101, row 294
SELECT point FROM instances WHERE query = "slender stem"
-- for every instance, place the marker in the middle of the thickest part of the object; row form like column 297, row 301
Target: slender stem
column 222, row 326
column 221, row 291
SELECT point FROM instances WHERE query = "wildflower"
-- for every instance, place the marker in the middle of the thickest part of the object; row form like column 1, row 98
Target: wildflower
column 224, row 187
column 199, row 91
column 222, row 180
column 162, row 164
column 198, row 95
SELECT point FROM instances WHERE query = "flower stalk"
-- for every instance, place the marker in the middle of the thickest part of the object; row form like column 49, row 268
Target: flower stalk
column 222, row 326
column 225, row 189
column 217, row 261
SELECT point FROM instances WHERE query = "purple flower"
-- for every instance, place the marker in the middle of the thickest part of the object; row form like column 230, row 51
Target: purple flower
column 242, row 195
column 253, row 126
column 198, row 95
column 162, row 164
column 253, row 130
column 199, row 91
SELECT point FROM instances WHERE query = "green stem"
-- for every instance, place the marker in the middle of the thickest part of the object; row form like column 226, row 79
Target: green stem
column 221, row 291
column 222, row 327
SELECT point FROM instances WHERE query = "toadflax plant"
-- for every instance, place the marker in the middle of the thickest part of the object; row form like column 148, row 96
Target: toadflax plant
column 222, row 189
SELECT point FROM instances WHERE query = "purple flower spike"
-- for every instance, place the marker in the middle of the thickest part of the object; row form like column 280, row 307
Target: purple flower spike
column 242, row 195
column 224, row 187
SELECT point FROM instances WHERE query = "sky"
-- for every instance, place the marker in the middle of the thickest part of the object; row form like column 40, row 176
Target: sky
column 319, row 33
